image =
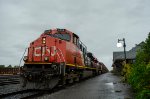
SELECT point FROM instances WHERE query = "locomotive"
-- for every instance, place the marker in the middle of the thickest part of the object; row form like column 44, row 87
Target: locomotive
column 58, row 57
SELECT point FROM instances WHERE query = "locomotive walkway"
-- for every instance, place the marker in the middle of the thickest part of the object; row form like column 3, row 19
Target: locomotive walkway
column 106, row 86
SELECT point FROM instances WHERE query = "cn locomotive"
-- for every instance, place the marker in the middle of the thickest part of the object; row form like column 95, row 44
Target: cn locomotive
column 58, row 57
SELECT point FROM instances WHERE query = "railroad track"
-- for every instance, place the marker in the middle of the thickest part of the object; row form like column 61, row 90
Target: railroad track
column 22, row 94
column 28, row 94
column 7, row 80
column 32, row 93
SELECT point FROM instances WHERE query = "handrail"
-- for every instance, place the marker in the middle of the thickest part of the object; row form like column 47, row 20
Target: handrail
column 22, row 59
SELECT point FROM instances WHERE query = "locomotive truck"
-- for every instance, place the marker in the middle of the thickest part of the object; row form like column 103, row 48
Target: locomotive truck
column 58, row 57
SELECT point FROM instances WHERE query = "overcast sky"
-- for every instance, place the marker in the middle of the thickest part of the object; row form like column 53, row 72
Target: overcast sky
column 99, row 23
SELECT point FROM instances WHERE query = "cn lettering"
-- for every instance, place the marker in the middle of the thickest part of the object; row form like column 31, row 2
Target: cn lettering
column 51, row 51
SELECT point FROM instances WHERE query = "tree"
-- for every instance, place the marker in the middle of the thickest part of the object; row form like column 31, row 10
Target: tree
column 146, row 49
column 16, row 66
column 2, row 66
column 9, row 66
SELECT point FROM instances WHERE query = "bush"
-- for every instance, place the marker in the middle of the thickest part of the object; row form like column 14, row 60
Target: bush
column 139, row 77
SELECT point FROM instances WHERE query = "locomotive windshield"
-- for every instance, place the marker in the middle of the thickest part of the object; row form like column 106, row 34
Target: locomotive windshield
column 63, row 36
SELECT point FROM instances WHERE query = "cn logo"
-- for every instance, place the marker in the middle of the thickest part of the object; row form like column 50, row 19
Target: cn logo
column 40, row 51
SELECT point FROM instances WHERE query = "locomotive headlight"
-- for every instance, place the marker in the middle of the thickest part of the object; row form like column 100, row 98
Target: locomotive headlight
column 30, row 76
column 25, row 75
column 46, row 58
column 25, row 58
column 43, row 40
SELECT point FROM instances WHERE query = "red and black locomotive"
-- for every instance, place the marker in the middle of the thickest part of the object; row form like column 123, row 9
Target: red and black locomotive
column 58, row 57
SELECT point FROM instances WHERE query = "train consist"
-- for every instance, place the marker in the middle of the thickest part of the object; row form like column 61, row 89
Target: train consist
column 9, row 71
column 58, row 57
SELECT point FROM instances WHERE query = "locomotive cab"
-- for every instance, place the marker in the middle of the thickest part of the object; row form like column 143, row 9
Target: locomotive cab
column 81, row 48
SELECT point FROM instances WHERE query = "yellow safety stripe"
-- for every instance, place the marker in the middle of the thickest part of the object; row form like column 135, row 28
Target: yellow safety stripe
column 38, row 63
column 80, row 66
column 66, row 64
column 71, row 65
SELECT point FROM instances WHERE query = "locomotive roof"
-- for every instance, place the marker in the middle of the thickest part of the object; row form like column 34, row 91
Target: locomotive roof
column 53, row 31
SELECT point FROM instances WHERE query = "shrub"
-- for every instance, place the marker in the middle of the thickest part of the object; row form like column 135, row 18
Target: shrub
column 139, row 76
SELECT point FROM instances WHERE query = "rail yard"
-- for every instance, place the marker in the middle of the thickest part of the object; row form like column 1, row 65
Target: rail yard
column 59, row 66
column 58, row 61
column 55, row 60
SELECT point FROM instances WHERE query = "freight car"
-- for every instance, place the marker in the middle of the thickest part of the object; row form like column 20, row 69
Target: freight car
column 58, row 57
column 9, row 71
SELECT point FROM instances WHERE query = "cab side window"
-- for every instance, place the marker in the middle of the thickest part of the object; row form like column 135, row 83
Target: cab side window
column 76, row 40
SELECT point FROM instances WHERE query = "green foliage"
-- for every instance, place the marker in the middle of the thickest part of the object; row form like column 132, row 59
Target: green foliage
column 2, row 66
column 9, row 66
column 146, row 48
column 139, row 76
column 16, row 66
column 144, row 94
column 126, row 71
